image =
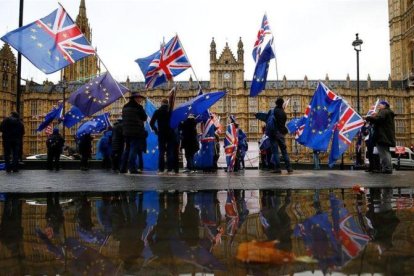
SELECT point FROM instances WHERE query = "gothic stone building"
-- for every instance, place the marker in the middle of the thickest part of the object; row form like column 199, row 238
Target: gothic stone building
column 227, row 73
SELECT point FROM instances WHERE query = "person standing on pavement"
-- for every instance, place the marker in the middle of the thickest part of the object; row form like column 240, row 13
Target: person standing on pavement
column 133, row 129
column 12, row 130
column 276, row 130
column 160, row 124
column 189, row 141
column 54, row 144
column 384, row 134
column 85, row 150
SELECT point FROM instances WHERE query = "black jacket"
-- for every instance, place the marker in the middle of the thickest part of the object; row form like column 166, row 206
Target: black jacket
column 117, row 137
column 189, row 140
column 384, row 127
column 133, row 120
column 55, row 143
column 12, row 129
column 162, row 118
column 280, row 118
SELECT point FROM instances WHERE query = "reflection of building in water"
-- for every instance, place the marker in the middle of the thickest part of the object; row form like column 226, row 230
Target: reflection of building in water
column 298, row 206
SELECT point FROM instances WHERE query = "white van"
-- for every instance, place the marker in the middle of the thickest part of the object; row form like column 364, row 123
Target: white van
column 406, row 159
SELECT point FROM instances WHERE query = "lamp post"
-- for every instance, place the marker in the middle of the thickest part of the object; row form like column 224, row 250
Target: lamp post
column 357, row 47
column 63, row 85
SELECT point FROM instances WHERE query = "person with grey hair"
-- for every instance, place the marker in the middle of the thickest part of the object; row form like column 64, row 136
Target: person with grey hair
column 12, row 130
column 384, row 134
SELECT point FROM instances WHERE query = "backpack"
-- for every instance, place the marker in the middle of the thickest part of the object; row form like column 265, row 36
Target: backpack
column 270, row 129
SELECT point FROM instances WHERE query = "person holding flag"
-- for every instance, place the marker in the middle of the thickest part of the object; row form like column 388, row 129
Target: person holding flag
column 384, row 134
column 276, row 130
column 368, row 131
column 160, row 124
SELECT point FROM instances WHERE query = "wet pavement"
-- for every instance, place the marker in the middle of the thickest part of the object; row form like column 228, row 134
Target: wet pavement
column 34, row 181
column 247, row 223
column 275, row 231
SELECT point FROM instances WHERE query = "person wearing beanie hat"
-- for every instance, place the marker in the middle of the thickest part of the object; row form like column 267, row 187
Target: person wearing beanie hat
column 276, row 131
column 384, row 134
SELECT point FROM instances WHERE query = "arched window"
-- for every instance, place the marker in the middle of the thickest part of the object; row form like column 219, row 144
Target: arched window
column 5, row 80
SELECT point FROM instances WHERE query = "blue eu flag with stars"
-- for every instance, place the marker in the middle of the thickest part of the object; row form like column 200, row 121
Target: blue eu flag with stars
column 55, row 113
column 96, row 125
column 72, row 117
column 323, row 116
column 151, row 156
column 97, row 94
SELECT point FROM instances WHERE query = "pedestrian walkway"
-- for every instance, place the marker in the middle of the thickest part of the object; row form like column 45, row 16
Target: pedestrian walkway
column 33, row 181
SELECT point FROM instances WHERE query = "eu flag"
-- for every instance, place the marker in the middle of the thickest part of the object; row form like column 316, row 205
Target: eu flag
column 96, row 125
column 50, row 43
column 151, row 156
column 97, row 94
column 260, row 71
column 323, row 116
column 56, row 113
column 72, row 117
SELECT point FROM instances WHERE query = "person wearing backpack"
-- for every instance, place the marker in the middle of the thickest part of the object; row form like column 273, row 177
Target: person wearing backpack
column 276, row 131
column 54, row 144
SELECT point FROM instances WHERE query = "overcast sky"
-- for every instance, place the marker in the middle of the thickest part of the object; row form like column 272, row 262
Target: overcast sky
column 312, row 37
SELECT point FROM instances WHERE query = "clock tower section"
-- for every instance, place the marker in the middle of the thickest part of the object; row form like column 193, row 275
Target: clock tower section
column 226, row 72
column 85, row 68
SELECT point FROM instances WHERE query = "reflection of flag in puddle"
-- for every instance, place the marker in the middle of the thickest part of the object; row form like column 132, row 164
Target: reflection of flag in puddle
column 232, row 216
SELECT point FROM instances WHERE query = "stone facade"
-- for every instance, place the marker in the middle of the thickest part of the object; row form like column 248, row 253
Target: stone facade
column 226, row 73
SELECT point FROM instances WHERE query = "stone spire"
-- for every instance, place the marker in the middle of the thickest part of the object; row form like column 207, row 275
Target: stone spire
column 240, row 51
column 213, row 51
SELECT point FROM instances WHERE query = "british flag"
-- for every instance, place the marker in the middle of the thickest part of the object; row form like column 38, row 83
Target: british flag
column 230, row 146
column 263, row 35
column 50, row 43
column 352, row 238
column 165, row 64
column 232, row 215
column 348, row 126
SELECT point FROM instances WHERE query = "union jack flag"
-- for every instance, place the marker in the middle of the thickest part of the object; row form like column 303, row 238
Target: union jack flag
column 230, row 146
column 353, row 240
column 348, row 126
column 232, row 215
column 263, row 35
column 165, row 64
column 50, row 43
column 49, row 130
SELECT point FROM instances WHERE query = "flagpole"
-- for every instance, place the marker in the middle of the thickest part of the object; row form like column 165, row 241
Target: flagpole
column 120, row 91
column 116, row 83
column 185, row 53
column 274, row 52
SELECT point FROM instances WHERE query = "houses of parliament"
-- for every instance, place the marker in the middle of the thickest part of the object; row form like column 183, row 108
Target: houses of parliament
column 227, row 72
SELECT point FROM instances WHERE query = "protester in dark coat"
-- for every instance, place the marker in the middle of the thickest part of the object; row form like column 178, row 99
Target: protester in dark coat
column 133, row 122
column 117, row 145
column 54, row 144
column 189, row 141
column 161, row 117
column 277, row 138
column 384, row 134
column 85, row 150
column 12, row 130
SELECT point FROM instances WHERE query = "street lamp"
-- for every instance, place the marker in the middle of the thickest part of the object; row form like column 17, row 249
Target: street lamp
column 63, row 85
column 357, row 47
